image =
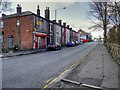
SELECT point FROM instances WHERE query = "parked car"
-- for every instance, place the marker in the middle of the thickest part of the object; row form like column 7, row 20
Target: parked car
column 81, row 41
column 70, row 44
column 76, row 43
column 54, row 46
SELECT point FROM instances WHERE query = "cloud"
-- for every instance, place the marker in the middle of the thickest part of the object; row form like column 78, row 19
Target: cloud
column 67, row 3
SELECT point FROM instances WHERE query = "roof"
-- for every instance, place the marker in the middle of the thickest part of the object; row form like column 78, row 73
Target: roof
column 24, row 14
column 17, row 15
column 29, row 13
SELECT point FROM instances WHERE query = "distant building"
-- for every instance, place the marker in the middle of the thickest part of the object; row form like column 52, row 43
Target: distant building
column 86, row 37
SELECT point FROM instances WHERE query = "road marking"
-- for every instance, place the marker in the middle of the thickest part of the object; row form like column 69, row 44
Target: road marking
column 78, row 60
column 62, row 73
column 49, row 79
column 49, row 83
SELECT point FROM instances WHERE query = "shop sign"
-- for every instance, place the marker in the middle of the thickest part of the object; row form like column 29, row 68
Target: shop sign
column 39, row 23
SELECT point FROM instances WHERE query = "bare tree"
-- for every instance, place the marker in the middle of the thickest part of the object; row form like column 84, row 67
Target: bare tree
column 99, row 11
column 115, row 17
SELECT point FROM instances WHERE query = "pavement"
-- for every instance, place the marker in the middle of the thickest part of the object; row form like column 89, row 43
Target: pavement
column 98, row 70
column 24, row 52
column 19, row 53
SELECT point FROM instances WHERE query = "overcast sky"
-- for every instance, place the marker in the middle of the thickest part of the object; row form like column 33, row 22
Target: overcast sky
column 75, row 14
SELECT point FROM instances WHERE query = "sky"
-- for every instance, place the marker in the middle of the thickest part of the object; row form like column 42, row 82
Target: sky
column 75, row 14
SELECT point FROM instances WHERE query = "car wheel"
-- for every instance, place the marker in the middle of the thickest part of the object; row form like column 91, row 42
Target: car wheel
column 55, row 48
column 59, row 48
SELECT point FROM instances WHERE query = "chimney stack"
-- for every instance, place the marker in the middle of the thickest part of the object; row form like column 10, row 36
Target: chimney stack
column 38, row 11
column 64, row 24
column 54, row 20
column 3, row 15
column 68, row 26
column 19, row 9
column 47, row 13
column 60, row 22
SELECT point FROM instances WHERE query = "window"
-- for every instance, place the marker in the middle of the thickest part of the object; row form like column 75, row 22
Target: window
column 18, row 22
column 50, row 27
column 1, row 24
column 2, row 37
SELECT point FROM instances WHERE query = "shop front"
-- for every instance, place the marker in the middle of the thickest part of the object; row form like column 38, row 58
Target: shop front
column 40, row 41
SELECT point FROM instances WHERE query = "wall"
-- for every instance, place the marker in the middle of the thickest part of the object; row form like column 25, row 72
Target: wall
column 22, row 33
column 26, row 27
column 67, row 35
column 57, row 34
column 114, row 50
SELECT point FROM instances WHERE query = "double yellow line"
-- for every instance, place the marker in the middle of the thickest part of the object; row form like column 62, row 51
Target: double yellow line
column 66, row 69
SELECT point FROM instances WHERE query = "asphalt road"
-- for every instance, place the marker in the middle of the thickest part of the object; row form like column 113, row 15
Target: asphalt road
column 33, row 71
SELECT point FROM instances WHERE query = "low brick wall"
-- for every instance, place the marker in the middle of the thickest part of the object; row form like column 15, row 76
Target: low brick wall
column 114, row 50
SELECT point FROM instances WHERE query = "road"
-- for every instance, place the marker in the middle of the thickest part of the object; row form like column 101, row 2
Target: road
column 33, row 71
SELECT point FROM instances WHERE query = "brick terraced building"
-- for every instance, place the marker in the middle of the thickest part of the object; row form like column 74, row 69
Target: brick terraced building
column 25, row 29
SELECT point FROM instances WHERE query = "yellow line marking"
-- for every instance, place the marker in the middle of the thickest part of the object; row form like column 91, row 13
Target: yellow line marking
column 49, row 79
column 78, row 60
column 65, row 68
column 62, row 73
column 49, row 83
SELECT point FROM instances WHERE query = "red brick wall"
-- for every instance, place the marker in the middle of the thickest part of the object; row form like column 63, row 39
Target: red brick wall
column 10, row 29
column 25, row 28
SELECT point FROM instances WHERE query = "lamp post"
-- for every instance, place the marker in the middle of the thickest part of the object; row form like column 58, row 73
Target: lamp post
column 57, row 10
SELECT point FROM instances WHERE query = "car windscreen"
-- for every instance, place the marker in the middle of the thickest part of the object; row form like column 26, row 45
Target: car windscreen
column 52, row 44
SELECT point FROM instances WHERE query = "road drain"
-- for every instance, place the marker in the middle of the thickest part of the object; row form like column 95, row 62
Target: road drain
column 83, row 85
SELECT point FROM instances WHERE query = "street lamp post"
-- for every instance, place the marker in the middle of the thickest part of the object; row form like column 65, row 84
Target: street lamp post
column 57, row 10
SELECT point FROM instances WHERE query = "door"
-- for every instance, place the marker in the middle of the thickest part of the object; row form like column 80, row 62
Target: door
column 43, row 42
column 36, row 42
column 10, row 42
column 40, row 42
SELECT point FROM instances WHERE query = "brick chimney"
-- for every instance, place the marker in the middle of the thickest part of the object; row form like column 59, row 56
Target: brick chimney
column 64, row 24
column 3, row 15
column 38, row 11
column 47, row 13
column 60, row 22
column 19, row 9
